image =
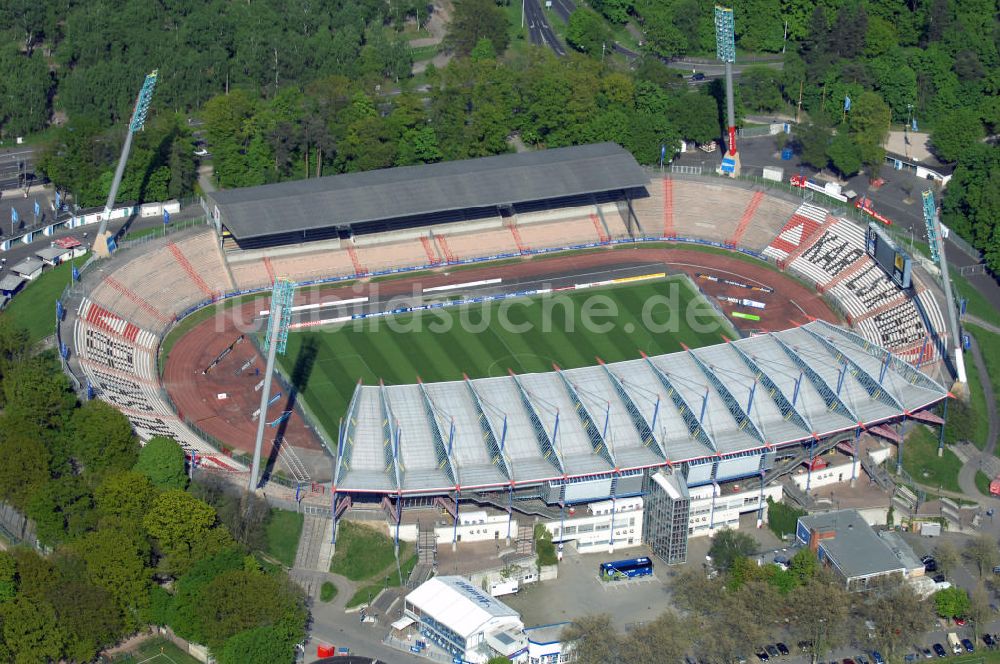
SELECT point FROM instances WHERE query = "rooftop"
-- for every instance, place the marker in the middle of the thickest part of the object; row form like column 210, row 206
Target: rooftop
column 815, row 380
column 545, row 634
column 455, row 602
column 354, row 199
column 855, row 549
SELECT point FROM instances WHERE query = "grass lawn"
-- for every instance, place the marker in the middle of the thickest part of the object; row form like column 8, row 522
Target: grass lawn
column 327, row 592
column 34, row 308
column 978, row 425
column 443, row 344
column 921, row 461
column 362, row 551
column 283, row 530
column 371, row 590
column 157, row 651
column 983, row 482
column 976, row 304
column 989, row 344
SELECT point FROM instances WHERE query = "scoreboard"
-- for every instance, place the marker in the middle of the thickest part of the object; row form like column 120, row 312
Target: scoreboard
column 888, row 256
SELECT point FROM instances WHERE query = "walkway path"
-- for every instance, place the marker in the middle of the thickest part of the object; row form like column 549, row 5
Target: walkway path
column 967, row 475
column 975, row 320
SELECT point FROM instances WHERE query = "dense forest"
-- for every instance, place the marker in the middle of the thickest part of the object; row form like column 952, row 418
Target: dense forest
column 130, row 541
column 301, row 88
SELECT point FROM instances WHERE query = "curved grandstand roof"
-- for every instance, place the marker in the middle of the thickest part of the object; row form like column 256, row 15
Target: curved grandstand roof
column 358, row 198
column 731, row 400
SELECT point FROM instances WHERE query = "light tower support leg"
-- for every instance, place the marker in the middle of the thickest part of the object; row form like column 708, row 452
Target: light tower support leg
column 265, row 396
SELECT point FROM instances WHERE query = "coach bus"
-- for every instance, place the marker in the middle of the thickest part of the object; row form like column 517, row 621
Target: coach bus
column 626, row 569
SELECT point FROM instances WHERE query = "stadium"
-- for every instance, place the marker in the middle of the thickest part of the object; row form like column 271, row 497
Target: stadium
column 811, row 343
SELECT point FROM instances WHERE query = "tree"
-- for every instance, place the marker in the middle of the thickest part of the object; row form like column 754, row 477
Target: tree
column 62, row 510
column 587, row 32
column 728, row 545
column 951, row 603
column 7, row 571
column 760, row 89
column 804, row 565
column 946, row 555
column 239, row 600
column 37, row 393
column 822, row 610
column 115, row 562
column 473, row 20
column 813, row 142
column 125, row 495
column 483, row 50
column 956, row 133
column 25, row 468
column 30, row 630
column 983, row 551
column 102, row 438
column 595, row 639
column 183, row 613
column 971, row 203
column 90, row 620
column 844, row 155
column 899, row 616
column 979, row 612
column 162, row 461
column 666, row 639
column 868, row 120
column 262, row 645
column 184, row 529
column 13, row 346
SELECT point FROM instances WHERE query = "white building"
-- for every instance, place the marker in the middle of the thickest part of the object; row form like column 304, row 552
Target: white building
column 602, row 526
column 545, row 645
column 716, row 506
column 464, row 621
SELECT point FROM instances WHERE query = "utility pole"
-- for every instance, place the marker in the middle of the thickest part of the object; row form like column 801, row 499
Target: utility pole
column 798, row 110
column 725, row 50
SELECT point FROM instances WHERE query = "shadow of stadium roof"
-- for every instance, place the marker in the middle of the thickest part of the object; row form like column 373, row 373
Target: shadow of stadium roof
column 808, row 382
column 373, row 196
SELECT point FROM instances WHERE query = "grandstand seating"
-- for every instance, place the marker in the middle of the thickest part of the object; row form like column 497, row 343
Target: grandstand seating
column 483, row 243
column 772, row 213
column 708, row 211
column 797, row 232
column 563, row 233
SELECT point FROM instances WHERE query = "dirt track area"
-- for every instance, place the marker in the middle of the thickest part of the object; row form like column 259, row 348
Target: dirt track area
column 199, row 396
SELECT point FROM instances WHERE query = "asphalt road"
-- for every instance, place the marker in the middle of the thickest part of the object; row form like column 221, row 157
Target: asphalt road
column 563, row 8
column 540, row 32
column 13, row 162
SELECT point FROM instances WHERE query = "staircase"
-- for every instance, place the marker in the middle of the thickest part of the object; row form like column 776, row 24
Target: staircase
column 445, row 249
column 745, row 220
column 806, row 242
column 798, row 496
column 521, row 247
column 877, row 473
column 269, row 268
column 428, row 249
column 851, row 270
column 189, row 269
column 359, row 269
column 448, row 505
column 138, row 301
column 668, row 208
column 882, row 308
column 525, row 543
column 292, row 462
column 602, row 236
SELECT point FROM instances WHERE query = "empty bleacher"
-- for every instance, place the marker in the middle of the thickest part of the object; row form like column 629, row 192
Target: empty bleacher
column 767, row 222
column 204, row 256
column 708, row 211
column 483, row 243
column 563, row 233
column 651, row 210
column 797, row 231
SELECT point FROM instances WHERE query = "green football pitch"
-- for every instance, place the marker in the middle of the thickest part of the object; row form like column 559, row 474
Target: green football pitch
column 526, row 334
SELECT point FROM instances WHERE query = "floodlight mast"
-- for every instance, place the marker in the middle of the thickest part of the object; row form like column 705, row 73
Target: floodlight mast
column 138, row 121
column 275, row 342
column 935, row 240
column 725, row 50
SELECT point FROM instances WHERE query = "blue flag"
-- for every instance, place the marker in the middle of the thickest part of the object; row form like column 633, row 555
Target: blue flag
column 38, row 208
column 166, row 217
column 913, row 124
column 14, row 218
column 76, row 274
column 58, row 201
column 847, row 103
column 663, row 152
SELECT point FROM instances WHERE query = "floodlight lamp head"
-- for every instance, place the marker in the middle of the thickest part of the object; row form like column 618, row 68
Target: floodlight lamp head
column 725, row 44
column 142, row 102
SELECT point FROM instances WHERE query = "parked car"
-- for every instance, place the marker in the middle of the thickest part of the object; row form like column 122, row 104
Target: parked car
column 202, row 152
column 939, row 650
column 988, row 640
column 861, row 659
column 967, row 644
column 772, row 651
column 930, row 565
column 926, row 652
column 911, row 657
column 762, row 655
column 698, row 76
column 959, row 621
column 848, row 661
column 782, row 648
column 877, row 657
column 938, row 578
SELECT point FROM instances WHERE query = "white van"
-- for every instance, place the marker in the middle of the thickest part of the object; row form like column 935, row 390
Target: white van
column 956, row 645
